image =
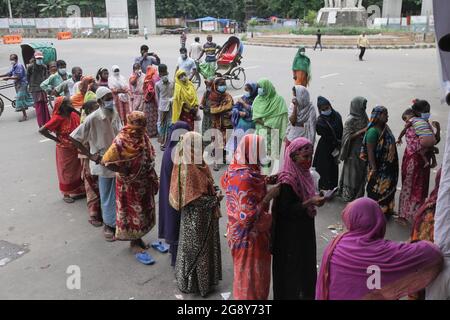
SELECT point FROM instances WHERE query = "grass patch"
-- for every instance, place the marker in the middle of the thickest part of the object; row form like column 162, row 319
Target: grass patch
column 343, row 31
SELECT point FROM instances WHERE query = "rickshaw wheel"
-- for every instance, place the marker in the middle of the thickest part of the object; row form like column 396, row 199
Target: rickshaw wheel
column 238, row 78
column 197, row 81
column 2, row 106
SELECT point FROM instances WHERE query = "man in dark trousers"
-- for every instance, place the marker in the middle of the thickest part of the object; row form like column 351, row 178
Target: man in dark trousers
column 319, row 40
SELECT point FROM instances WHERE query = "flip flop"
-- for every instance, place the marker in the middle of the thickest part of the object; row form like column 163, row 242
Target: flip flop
column 161, row 247
column 145, row 258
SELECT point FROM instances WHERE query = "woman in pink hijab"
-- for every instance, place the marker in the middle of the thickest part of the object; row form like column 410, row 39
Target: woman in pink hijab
column 293, row 230
column 361, row 264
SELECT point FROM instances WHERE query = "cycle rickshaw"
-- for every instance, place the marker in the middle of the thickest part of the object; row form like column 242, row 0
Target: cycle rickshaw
column 28, row 50
column 229, row 60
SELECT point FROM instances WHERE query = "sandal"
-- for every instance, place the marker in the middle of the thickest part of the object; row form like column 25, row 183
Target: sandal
column 79, row 197
column 109, row 234
column 68, row 199
column 161, row 247
column 145, row 258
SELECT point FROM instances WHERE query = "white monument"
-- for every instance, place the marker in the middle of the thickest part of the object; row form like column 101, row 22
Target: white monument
column 117, row 13
column 146, row 16
column 392, row 8
column 342, row 13
column 427, row 7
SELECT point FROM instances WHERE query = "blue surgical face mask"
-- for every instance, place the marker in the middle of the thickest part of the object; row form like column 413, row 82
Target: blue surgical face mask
column 108, row 105
column 326, row 113
column 261, row 92
column 222, row 89
column 62, row 71
column 247, row 94
column 425, row 116
column 39, row 62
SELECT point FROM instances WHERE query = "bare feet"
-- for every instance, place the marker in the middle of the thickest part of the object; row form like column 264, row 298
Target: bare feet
column 135, row 246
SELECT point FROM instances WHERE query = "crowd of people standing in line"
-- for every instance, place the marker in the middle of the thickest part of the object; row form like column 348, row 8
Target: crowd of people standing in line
column 102, row 127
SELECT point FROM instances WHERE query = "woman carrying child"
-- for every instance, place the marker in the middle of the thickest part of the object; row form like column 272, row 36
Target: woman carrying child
column 417, row 159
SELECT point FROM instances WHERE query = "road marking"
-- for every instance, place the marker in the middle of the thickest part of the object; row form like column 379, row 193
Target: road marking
column 44, row 140
column 329, row 75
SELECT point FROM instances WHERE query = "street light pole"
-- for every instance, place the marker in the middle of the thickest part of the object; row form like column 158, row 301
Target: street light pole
column 9, row 7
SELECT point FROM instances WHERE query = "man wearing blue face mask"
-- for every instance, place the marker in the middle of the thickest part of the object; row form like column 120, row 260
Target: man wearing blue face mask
column 36, row 74
column 99, row 130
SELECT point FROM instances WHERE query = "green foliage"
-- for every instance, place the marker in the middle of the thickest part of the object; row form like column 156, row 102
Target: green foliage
column 234, row 9
column 344, row 31
column 311, row 17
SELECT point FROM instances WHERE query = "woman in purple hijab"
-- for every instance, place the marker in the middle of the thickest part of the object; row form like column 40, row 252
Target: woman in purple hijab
column 169, row 218
column 361, row 264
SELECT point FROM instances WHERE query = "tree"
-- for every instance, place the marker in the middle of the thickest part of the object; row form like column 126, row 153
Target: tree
column 53, row 7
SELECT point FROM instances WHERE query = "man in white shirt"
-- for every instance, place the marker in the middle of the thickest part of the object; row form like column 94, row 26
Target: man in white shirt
column 99, row 130
column 196, row 49
column 186, row 64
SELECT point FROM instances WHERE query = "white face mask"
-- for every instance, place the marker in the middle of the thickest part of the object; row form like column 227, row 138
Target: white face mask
column 109, row 105
column 117, row 74
column 62, row 71
column 165, row 79
column 13, row 62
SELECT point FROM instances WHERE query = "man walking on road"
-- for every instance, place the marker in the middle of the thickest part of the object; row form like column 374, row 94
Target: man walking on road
column 363, row 43
column 319, row 40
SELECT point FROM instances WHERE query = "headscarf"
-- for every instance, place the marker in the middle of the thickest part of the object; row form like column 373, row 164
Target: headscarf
column 151, row 78
column 269, row 106
column 299, row 179
column 376, row 113
column 302, row 62
column 179, row 125
column 235, row 116
column 189, row 181
column 184, row 93
column 356, row 121
column 334, row 120
column 251, row 153
column 118, row 82
column 405, row 268
column 219, row 102
column 58, row 103
column 305, row 106
column 131, row 142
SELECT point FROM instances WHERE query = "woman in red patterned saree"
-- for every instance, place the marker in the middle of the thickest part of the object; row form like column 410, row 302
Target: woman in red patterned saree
column 133, row 158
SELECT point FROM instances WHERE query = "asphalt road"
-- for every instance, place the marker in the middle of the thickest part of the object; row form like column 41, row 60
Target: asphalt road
column 52, row 235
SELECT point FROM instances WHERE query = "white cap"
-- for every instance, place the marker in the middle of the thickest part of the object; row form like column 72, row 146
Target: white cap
column 101, row 92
